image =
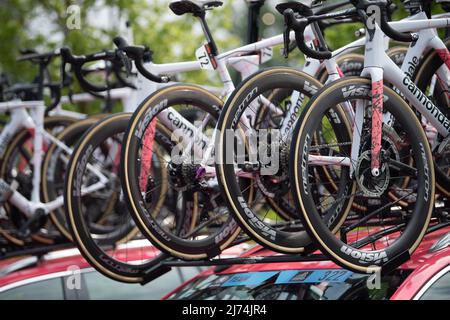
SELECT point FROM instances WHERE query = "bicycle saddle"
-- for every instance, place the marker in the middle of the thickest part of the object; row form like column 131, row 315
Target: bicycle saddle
column 197, row 8
column 296, row 6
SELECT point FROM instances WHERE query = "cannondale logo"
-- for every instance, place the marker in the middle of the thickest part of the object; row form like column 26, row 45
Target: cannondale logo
column 423, row 99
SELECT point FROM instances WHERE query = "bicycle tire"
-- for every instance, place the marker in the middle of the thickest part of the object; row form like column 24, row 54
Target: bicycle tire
column 162, row 239
column 266, row 235
column 16, row 142
column 338, row 251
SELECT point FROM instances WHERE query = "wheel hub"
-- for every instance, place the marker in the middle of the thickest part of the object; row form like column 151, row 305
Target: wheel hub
column 372, row 186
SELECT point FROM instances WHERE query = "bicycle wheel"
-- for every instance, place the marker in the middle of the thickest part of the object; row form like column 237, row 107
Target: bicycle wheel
column 259, row 219
column 437, row 89
column 193, row 222
column 387, row 233
column 97, row 233
column 397, row 54
column 54, row 171
column 350, row 65
column 16, row 166
column 275, row 192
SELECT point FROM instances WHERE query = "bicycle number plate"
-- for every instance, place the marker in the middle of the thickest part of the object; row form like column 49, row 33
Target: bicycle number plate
column 266, row 54
column 205, row 58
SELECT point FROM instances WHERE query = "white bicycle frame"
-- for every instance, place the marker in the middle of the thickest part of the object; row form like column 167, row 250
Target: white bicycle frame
column 30, row 115
column 202, row 145
column 379, row 67
column 20, row 118
column 312, row 68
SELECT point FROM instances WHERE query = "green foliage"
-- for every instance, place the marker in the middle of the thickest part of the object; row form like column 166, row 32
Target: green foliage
column 172, row 38
column 42, row 24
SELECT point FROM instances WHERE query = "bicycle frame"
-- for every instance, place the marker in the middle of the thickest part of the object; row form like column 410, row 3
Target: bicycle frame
column 203, row 147
column 378, row 67
column 131, row 98
column 28, row 115
column 312, row 68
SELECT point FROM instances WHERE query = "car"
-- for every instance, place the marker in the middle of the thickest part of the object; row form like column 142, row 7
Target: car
column 426, row 275
column 66, row 275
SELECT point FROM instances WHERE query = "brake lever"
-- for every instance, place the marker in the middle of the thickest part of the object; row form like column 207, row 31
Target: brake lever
column 125, row 61
column 148, row 55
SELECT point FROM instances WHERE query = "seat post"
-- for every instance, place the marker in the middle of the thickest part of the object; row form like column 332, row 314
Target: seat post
column 254, row 8
column 208, row 35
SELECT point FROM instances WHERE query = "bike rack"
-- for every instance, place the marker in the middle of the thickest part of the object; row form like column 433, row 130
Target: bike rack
column 167, row 263
column 11, row 251
column 164, row 263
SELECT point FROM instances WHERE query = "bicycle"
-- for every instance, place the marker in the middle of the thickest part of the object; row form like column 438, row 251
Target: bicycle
column 103, row 260
column 384, row 159
column 260, row 223
column 19, row 146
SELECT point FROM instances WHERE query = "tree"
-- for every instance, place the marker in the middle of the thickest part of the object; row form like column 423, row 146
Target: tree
column 172, row 38
column 42, row 24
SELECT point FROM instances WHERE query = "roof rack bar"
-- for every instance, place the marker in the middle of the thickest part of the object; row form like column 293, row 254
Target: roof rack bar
column 11, row 252
column 438, row 226
column 167, row 263
column 244, row 260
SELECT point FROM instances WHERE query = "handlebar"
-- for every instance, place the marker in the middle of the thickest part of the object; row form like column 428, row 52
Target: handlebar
column 330, row 7
column 77, row 63
column 391, row 32
column 55, row 93
column 122, row 56
column 139, row 54
column 298, row 24
column 30, row 55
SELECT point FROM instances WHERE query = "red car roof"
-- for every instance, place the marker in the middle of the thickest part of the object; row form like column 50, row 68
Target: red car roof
column 421, row 255
column 420, row 276
column 60, row 261
column 421, row 261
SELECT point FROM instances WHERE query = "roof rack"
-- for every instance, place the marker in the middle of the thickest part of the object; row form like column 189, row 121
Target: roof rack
column 35, row 249
column 165, row 263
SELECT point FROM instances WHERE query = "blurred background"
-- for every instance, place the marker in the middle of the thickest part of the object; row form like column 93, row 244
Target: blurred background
column 87, row 26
